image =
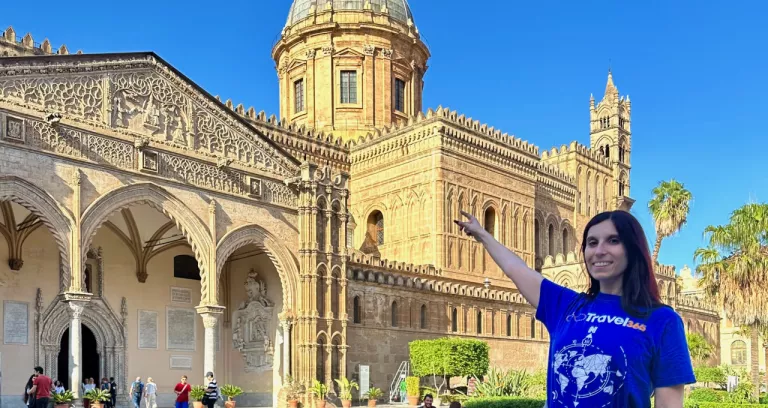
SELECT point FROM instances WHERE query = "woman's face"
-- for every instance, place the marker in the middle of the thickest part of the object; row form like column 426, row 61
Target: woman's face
column 604, row 253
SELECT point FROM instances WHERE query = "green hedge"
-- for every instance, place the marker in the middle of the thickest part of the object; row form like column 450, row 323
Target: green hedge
column 705, row 395
column 697, row 404
column 450, row 356
column 504, row 402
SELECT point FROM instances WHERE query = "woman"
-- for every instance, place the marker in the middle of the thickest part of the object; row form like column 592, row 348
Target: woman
column 616, row 345
column 59, row 387
column 29, row 400
column 150, row 393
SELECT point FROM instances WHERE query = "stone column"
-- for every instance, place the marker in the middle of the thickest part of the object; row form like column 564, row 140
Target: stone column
column 210, row 315
column 77, row 304
column 286, row 325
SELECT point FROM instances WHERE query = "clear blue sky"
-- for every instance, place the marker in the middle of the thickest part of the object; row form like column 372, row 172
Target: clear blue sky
column 696, row 71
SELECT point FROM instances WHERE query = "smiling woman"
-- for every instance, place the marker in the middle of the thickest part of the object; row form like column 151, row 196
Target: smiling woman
column 618, row 326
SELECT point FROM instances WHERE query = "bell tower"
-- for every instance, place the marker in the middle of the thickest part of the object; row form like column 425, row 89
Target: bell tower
column 610, row 132
column 350, row 67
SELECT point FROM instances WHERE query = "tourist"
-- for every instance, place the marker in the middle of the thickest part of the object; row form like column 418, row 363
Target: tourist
column 88, row 385
column 182, row 393
column 105, row 387
column 617, row 331
column 112, row 391
column 137, row 390
column 455, row 404
column 29, row 399
column 58, row 387
column 150, row 394
column 428, row 399
column 212, row 392
column 41, row 388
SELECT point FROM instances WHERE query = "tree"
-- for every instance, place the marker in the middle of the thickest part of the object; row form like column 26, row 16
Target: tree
column 734, row 268
column 669, row 207
column 700, row 350
column 448, row 357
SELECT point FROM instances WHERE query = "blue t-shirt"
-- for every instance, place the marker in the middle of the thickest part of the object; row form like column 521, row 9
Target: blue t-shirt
column 600, row 356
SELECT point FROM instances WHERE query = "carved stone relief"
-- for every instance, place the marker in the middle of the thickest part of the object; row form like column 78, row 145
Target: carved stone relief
column 250, row 326
column 79, row 144
column 80, row 96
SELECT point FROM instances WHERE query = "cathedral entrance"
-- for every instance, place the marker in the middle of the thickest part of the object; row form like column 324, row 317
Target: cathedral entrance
column 90, row 357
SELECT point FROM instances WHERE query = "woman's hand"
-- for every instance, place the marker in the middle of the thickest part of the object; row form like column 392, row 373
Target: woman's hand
column 470, row 227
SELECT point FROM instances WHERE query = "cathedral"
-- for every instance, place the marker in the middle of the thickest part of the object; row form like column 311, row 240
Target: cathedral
column 150, row 222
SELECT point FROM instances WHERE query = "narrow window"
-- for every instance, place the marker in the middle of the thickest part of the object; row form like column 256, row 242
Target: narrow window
column 298, row 96
column 423, row 316
column 509, row 325
column 479, row 322
column 394, row 314
column 348, row 86
column 454, row 320
column 490, row 221
column 399, row 95
column 356, row 313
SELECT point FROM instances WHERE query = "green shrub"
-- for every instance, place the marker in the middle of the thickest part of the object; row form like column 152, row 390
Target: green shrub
column 708, row 375
column 452, row 357
column 412, row 386
column 705, row 395
column 504, row 402
column 721, row 405
column 497, row 383
column 426, row 390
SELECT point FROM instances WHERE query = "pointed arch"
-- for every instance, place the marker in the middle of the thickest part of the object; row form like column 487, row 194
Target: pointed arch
column 285, row 263
column 51, row 213
column 193, row 229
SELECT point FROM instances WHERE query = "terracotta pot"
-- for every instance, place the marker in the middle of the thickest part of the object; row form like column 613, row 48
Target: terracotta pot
column 229, row 404
column 97, row 404
column 197, row 404
column 371, row 403
column 293, row 404
column 346, row 403
column 320, row 404
column 62, row 405
column 413, row 401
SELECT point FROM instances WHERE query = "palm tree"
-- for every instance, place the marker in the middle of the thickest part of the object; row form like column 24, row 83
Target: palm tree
column 700, row 350
column 734, row 268
column 669, row 207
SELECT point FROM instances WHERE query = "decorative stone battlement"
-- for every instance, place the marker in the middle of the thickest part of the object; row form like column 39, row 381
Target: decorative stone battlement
column 576, row 147
column 562, row 259
column 26, row 45
column 463, row 122
column 303, row 143
column 392, row 273
column 696, row 304
column 665, row 270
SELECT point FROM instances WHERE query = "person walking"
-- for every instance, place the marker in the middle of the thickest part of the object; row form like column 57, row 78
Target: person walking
column 618, row 327
column 182, row 393
column 212, row 391
column 150, row 394
column 113, row 391
column 105, row 387
column 41, row 388
column 137, row 391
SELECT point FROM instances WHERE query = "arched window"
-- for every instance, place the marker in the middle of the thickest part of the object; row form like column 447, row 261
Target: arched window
column 490, row 221
column 394, row 314
column 566, row 243
column 335, row 228
column 423, row 317
column 454, row 320
column 376, row 227
column 357, row 311
column 321, row 353
column 321, row 225
column 739, row 353
column 321, row 291
column 536, row 238
column 479, row 322
column 336, row 359
column 607, row 151
column 493, row 323
column 551, row 239
column 533, row 327
column 335, row 284
column 509, row 325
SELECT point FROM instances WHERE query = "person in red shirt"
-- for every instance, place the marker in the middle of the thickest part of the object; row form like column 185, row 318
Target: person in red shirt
column 182, row 391
column 41, row 388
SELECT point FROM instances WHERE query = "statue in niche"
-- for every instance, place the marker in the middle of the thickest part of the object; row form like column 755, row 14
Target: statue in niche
column 146, row 114
column 250, row 325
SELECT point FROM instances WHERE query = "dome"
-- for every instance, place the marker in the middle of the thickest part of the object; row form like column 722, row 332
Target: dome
column 398, row 9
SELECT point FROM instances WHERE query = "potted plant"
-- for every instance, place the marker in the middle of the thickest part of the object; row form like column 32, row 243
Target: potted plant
column 63, row 399
column 197, row 393
column 230, row 391
column 345, row 391
column 320, row 391
column 97, row 397
column 372, row 395
column 293, row 391
column 412, row 390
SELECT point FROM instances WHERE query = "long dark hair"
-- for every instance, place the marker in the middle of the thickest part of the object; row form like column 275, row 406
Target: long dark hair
column 639, row 291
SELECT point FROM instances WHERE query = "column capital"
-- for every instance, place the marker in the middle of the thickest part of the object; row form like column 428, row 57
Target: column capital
column 210, row 315
column 77, row 302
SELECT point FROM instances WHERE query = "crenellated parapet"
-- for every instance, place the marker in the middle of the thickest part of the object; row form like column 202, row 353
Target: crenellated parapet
column 12, row 45
column 427, row 278
column 696, row 304
column 665, row 270
column 298, row 140
column 554, row 154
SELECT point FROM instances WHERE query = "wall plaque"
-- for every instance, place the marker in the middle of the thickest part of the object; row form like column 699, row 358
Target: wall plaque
column 15, row 322
column 147, row 329
column 180, row 328
column 181, row 295
column 181, row 363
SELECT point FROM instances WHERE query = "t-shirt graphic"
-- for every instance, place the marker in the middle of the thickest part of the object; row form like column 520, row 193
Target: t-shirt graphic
column 583, row 370
column 600, row 356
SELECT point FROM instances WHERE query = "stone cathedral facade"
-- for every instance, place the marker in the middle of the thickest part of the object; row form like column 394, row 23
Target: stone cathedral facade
column 169, row 233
